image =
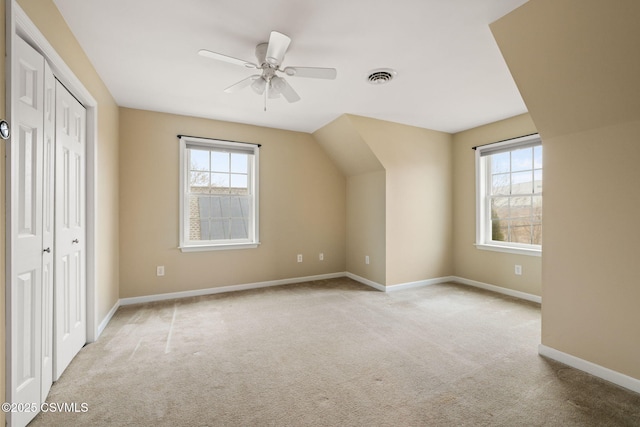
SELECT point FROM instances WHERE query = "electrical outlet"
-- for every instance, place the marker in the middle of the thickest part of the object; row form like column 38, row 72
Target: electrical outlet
column 366, row 259
column 299, row 257
column 518, row 270
column 321, row 256
column 160, row 270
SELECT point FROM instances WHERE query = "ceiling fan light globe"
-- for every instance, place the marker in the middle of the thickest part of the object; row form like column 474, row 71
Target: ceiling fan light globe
column 277, row 83
column 259, row 85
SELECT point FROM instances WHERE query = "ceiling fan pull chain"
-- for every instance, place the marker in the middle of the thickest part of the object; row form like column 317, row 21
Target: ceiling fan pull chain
column 266, row 94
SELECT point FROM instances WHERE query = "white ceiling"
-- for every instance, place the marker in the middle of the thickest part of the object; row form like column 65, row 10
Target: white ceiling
column 451, row 75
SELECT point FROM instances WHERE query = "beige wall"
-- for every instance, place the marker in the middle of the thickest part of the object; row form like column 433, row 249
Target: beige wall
column 365, row 197
column 418, row 165
column 494, row 268
column 366, row 225
column 302, row 208
column 576, row 65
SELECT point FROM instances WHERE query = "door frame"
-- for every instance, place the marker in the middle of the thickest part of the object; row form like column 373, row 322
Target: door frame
column 18, row 24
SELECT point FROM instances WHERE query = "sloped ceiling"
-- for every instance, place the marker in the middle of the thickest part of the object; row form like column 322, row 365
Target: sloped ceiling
column 585, row 81
column 345, row 146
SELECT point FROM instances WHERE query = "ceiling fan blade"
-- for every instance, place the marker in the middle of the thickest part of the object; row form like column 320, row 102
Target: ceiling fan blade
column 285, row 89
column 242, row 84
column 278, row 45
column 226, row 58
column 311, row 72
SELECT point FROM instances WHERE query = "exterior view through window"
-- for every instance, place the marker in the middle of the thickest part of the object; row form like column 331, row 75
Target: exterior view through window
column 219, row 202
column 510, row 194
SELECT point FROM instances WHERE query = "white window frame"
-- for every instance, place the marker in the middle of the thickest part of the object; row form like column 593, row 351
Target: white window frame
column 253, row 240
column 483, row 208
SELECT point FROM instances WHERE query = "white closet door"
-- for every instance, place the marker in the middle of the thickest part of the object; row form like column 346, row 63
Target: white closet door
column 48, row 228
column 70, row 242
column 25, row 154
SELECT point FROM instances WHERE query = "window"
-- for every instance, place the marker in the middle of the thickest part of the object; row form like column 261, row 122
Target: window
column 218, row 194
column 509, row 196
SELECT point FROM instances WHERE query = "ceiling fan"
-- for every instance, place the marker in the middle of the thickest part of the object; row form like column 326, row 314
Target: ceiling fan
column 270, row 56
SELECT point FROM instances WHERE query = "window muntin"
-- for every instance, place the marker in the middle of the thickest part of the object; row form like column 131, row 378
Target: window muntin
column 218, row 194
column 509, row 212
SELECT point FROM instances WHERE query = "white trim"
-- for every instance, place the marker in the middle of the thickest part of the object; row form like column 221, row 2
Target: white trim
column 606, row 374
column 253, row 240
column 483, row 208
column 498, row 289
column 420, row 283
column 367, row 282
column 400, row 286
column 220, row 247
column 107, row 318
column 509, row 249
column 446, row 279
column 222, row 289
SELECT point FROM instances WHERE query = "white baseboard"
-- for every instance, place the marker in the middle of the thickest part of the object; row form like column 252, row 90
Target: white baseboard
column 607, row 374
column 107, row 318
column 399, row 286
column 367, row 282
column 501, row 290
column 222, row 289
column 419, row 283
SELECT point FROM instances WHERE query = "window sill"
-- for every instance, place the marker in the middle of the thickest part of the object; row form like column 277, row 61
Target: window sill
column 509, row 249
column 219, row 247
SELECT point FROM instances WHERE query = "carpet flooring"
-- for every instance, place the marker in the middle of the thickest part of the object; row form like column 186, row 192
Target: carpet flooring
column 332, row 353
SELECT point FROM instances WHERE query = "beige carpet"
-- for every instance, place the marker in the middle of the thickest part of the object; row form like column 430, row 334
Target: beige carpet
column 332, row 353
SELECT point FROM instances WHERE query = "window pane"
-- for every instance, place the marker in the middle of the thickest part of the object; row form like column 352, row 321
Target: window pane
column 194, row 229
column 500, row 184
column 219, row 229
column 513, row 189
column 537, row 157
column 521, row 183
column 220, row 207
column 244, row 205
column 219, row 161
column 239, row 163
column 500, row 163
column 199, row 159
column 499, row 230
column 522, row 159
column 204, row 207
column 499, row 207
column 198, row 181
column 536, row 202
column 217, row 202
column 239, row 181
column 520, row 207
column 537, row 181
column 235, row 208
column 520, row 231
column 194, row 206
column 239, row 228
column 537, row 234
column 219, row 181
